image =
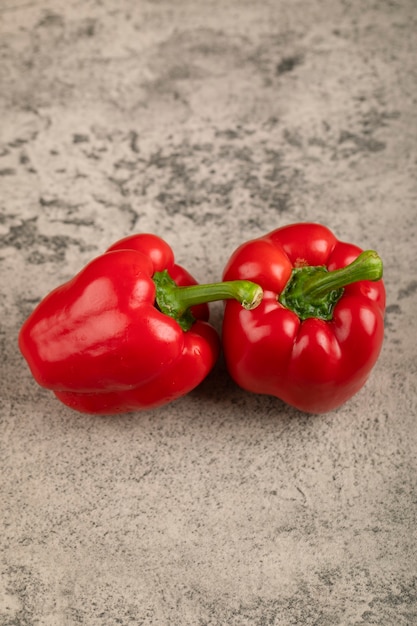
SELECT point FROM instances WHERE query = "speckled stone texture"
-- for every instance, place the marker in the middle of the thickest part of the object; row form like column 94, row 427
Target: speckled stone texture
column 207, row 123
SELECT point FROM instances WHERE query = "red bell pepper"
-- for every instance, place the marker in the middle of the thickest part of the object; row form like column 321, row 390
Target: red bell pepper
column 319, row 329
column 129, row 332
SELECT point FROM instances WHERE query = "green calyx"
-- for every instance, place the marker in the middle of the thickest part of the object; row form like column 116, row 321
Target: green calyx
column 176, row 301
column 313, row 291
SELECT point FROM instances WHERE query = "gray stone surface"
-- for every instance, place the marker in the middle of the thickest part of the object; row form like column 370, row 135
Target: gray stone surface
column 207, row 123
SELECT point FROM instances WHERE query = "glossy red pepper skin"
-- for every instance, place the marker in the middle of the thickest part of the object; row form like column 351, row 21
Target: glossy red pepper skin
column 313, row 365
column 102, row 346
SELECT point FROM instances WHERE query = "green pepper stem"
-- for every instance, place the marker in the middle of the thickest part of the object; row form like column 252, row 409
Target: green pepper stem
column 176, row 301
column 367, row 266
column 248, row 294
column 313, row 291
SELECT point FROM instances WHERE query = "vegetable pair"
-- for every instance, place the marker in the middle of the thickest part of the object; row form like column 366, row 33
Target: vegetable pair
column 303, row 321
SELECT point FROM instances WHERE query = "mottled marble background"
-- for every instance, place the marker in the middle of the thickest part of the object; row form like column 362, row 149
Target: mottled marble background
column 207, row 123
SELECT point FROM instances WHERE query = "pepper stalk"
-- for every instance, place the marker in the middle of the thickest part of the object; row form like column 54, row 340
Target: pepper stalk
column 176, row 301
column 314, row 291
